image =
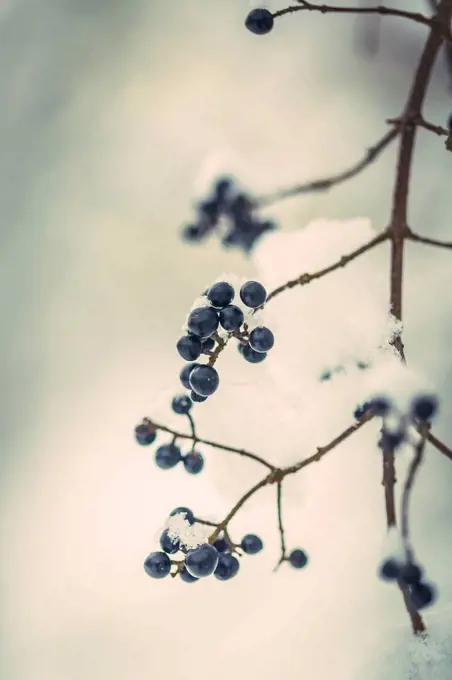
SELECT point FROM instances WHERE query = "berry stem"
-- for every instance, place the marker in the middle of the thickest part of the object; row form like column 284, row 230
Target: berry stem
column 406, row 495
column 280, row 524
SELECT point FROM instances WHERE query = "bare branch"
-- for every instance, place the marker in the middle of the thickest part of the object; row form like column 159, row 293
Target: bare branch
column 439, row 445
column 429, row 241
column 280, row 524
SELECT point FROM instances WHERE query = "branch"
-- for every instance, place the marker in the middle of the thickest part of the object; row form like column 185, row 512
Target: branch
column 406, row 495
column 280, row 524
column 442, row 448
column 328, row 182
column 429, row 241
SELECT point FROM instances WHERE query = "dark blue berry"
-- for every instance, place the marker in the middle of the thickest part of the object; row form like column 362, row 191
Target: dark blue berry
column 168, row 544
column 253, row 294
column 189, row 347
column 389, row 569
column 197, row 397
column 222, row 190
column 203, row 322
column 186, row 512
column 410, row 574
column 221, row 294
column 380, row 406
column 157, row 565
column 209, row 213
column 204, row 380
column 187, row 577
column 250, row 354
column 181, row 404
column 193, row 462
column 391, row 439
column 259, row 21
column 298, row 558
column 227, row 567
column 144, row 434
column 185, row 374
column 261, row 339
column 361, row 410
column 221, row 545
column 326, row 375
column 240, row 208
column 168, row 456
column 251, row 544
column 424, row 406
column 193, row 233
column 231, row 318
column 202, row 561
column 422, row 594
column 207, row 345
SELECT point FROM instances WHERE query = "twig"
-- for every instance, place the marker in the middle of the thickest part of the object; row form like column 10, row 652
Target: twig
column 429, row 241
column 439, row 445
column 406, row 495
column 280, row 524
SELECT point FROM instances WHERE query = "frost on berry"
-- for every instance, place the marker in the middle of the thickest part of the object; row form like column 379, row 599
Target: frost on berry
column 189, row 535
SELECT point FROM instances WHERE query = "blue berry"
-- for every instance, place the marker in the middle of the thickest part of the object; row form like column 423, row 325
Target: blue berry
column 187, row 577
column 221, row 294
column 241, row 208
column 168, row 544
column 144, row 435
column 221, row 545
column 361, row 410
column 424, row 406
column 185, row 374
column 189, row 347
column 181, row 404
column 209, row 212
column 207, row 345
column 261, row 339
column 251, row 544
column 193, row 233
column 197, row 397
column 186, row 512
column 202, row 561
column 193, row 462
column 259, row 21
column 422, row 594
column 157, row 565
column 222, row 189
column 168, row 456
column 203, row 322
column 298, row 558
column 380, row 406
column 410, row 574
column 231, row 318
column 389, row 569
column 253, row 294
column 391, row 439
column 227, row 567
column 250, row 354
column 204, row 380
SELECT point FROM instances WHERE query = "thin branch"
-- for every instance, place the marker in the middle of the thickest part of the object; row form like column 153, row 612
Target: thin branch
column 429, row 241
column 420, row 122
column 326, row 183
column 193, row 429
column 389, row 480
column 439, row 445
column 406, row 495
column 280, row 524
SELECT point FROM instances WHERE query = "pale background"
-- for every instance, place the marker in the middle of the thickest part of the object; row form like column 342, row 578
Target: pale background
column 113, row 116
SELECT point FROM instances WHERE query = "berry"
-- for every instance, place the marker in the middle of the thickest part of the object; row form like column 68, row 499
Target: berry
column 259, row 21
column 422, row 594
column 298, row 558
column 185, row 374
column 221, row 294
column 188, row 514
column 253, row 294
column 231, row 318
column 326, row 375
column 209, row 212
column 380, row 406
column 197, row 397
column 193, row 462
column 222, row 189
column 168, row 456
column 241, row 208
column 250, row 354
column 187, row 577
column 189, row 347
column 261, row 339
column 227, row 567
column 169, row 545
column 389, row 569
column 204, row 380
column 181, row 404
column 203, row 322
column 361, row 410
column 144, row 434
column 207, row 345
column 202, row 561
column 410, row 574
column 157, row 565
column 391, row 439
column 221, row 545
column 424, row 406
column 193, row 233
column 251, row 544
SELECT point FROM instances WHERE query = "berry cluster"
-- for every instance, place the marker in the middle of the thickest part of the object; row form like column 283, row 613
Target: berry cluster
column 232, row 213
column 410, row 574
column 219, row 314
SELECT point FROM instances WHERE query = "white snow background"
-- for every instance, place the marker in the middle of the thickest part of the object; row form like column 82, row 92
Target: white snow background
column 118, row 115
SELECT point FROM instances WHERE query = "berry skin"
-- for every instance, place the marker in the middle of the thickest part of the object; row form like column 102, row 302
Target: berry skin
column 181, row 404
column 410, row 574
column 391, row 440
column 361, row 410
column 298, row 558
column 209, row 212
column 250, row 354
column 380, row 406
column 207, row 345
column 221, row 294
column 185, row 374
column 202, row 561
column 193, row 462
column 193, row 233
column 157, row 565
column 251, row 544
column 259, row 21
column 187, row 577
column 221, row 545
column 253, row 294
column 144, row 435
column 389, row 569
column 424, row 406
column 169, row 545
column 168, row 456
column 204, row 380
column 188, row 514
column 261, row 339
column 231, row 318
column 422, row 594
column 227, row 567
column 197, row 397
column 203, row 322
column 189, row 347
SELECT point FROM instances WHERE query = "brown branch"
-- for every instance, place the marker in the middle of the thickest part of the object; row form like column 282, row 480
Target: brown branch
column 406, row 495
column 280, row 524
column 326, row 183
column 439, row 445
column 429, row 241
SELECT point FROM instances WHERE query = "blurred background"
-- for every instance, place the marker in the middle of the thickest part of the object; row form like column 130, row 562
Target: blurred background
column 115, row 118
